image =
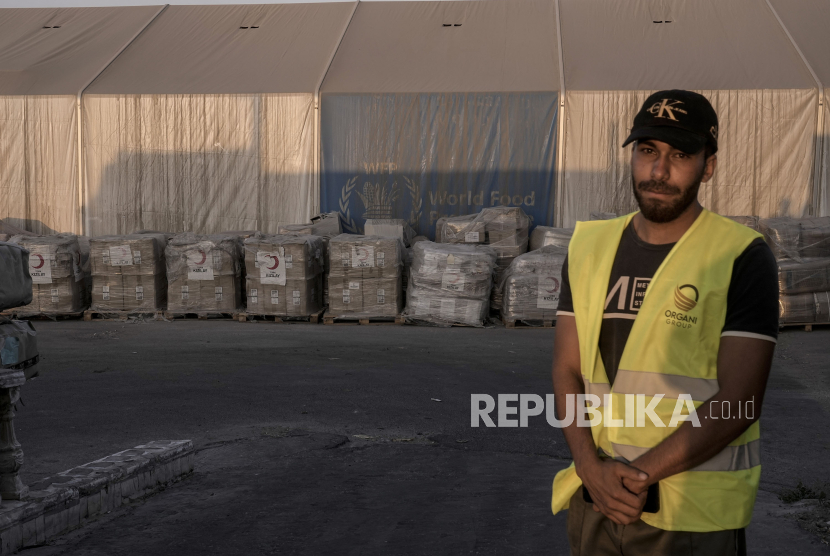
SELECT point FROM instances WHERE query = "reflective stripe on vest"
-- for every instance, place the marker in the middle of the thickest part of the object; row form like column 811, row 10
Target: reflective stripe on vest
column 731, row 458
column 671, row 351
column 670, row 386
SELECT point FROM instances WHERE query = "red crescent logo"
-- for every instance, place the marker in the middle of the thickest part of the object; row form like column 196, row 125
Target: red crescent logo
column 555, row 285
column 204, row 258
column 362, row 253
column 41, row 261
column 457, row 278
column 276, row 262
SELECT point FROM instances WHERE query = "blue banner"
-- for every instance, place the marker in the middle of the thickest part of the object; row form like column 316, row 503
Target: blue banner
column 423, row 156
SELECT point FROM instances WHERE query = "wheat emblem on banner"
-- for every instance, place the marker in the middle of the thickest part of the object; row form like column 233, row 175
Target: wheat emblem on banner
column 345, row 210
column 417, row 201
column 378, row 202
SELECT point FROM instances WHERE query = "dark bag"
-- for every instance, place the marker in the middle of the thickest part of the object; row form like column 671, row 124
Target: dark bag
column 15, row 281
column 18, row 352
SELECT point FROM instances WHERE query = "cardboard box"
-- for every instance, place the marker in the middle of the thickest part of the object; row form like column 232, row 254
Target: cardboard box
column 144, row 293
column 204, row 273
column 297, row 298
column 382, row 297
column 293, row 257
column 365, row 256
column 129, row 255
column 60, row 283
column 129, row 293
column 107, row 293
column 805, row 308
column 345, row 295
column 812, row 275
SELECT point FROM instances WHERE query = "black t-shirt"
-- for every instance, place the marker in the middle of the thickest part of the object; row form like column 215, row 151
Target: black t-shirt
column 751, row 302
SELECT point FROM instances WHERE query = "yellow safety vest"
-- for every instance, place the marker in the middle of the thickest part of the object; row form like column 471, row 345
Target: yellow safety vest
column 672, row 350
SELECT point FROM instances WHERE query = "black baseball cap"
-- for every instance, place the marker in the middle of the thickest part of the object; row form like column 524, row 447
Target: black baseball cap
column 683, row 119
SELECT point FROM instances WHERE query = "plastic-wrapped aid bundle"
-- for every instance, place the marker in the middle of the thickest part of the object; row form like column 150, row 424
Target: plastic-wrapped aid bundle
column 797, row 238
column 365, row 276
column 542, row 236
column 450, row 284
column 531, row 285
column 814, row 237
column 204, row 273
column 748, row 221
column 325, row 226
column 781, row 234
column 460, row 229
column 284, row 274
column 812, row 275
column 390, row 227
column 507, row 232
column 598, row 215
column 804, row 308
column 505, row 229
column 60, row 279
column 128, row 273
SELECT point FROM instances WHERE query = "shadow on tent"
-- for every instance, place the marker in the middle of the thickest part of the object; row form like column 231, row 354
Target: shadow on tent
column 195, row 191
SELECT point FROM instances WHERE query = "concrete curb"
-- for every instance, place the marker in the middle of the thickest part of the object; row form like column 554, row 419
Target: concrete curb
column 68, row 500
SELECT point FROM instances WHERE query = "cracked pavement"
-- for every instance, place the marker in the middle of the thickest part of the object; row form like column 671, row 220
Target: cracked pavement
column 319, row 439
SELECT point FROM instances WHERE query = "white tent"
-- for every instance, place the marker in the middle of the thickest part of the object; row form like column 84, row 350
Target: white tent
column 736, row 53
column 207, row 121
column 435, row 109
column 808, row 22
column 205, row 118
column 47, row 56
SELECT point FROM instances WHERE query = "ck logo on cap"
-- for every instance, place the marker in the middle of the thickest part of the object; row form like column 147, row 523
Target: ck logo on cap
column 666, row 109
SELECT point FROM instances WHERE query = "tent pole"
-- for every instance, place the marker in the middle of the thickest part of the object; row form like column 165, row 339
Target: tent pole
column 816, row 206
column 560, row 130
column 83, row 192
column 318, row 143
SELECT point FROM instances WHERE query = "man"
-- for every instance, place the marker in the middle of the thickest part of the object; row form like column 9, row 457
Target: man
column 667, row 304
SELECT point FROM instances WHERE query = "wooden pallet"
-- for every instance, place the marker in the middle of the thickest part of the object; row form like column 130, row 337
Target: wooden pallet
column 311, row 319
column 808, row 326
column 354, row 321
column 122, row 315
column 41, row 316
column 421, row 322
column 200, row 315
column 523, row 324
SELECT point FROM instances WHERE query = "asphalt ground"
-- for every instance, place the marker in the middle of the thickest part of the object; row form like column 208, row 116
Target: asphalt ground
column 320, row 439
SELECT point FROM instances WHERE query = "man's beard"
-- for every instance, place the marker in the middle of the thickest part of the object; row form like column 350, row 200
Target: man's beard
column 661, row 212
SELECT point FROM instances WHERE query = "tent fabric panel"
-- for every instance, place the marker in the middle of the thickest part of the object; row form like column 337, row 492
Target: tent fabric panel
column 612, row 45
column 38, row 163
column 201, row 163
column 486, row 46
column 35, row 60
column 824, row 173
column 423, row 156
column 808, row 22
column 765, row 156
column 203, row 49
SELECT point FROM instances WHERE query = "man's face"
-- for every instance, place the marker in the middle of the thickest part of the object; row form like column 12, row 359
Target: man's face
column 666, row 180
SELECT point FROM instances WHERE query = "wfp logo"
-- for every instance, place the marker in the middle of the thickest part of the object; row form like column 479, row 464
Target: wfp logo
column 379, row 196
column 683, row 302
